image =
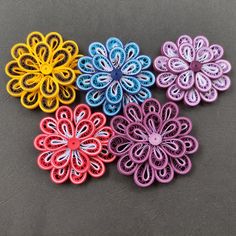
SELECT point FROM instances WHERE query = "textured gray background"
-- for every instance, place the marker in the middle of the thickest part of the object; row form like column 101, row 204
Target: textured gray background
column 201, row 203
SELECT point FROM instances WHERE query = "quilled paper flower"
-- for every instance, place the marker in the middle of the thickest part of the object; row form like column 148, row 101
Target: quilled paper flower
column 192, row 70
column 73, row 145
column 152, row 142
column 43, row 71
column 114, row 75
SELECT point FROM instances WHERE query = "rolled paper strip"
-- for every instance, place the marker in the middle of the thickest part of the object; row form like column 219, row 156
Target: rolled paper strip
column 192, row 70
column 43, row 71
column 152, row 142
column 113, row 75
column 74, row 144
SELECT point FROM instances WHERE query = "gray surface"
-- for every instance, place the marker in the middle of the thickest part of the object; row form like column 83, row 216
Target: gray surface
column 201, row 203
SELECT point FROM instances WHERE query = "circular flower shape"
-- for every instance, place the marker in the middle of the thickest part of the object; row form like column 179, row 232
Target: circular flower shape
column 43, row 71
column 74, row 144
column 192, row 70
column 115, row 75
column 152, row 142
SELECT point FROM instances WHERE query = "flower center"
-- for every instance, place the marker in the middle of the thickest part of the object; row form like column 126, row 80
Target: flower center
column 46, row 69
column 155, row 139
column 116, row 74
column 195, row 66
column 73, row 143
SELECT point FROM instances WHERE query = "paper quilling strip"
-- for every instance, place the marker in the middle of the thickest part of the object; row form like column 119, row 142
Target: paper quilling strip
column 152, row 142
column 73, row 145
column 115, row 75
column 43, row 71
column 192, row 70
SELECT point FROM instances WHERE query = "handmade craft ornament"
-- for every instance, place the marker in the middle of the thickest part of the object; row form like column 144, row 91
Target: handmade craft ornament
column 73, row 145
column 192, row 70
column 152, row 142
column 115, row 75
column 43, row 71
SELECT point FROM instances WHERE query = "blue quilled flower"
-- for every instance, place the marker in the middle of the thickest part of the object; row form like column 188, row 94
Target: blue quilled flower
column 115, row 75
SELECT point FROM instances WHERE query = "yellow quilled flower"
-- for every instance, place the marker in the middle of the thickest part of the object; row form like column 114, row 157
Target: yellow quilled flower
column 43, row 71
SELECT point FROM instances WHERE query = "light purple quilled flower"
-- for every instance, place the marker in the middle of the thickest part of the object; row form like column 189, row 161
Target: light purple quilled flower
column 152, row 142
column 192, row 70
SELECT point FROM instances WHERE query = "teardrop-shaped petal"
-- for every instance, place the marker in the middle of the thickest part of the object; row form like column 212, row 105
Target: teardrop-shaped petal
column 64, row 112
column 169, row 49
column 119, row 145
column 98, row 119
column 217, row 50
column 77, row 177
column 54, row 142
column 174, row 93
column 59, row 176
column 212, row 70
column 49, row 88
column 85, row 65
column 14, row 87
column 222, row 84
column 131, row 67
column 137, row 132
column 91, row 146
column 101, row 63
column 97, row 48
column 169, row 111
column 130, row 84
column 125, row 166
column 28, row 62
column 95, row 98
column 204, row 55
column 177, row 65
column 61, row 158
column 202, row 82
column 48, row 125
column 114, row 93
column 209, row 96
column 105, row 155
column 31, row 82
column 59, row 58
column 165, row 79
column 97, row 168
column 151, row 105
column 111, row 109
column 100, row 80
column 65, row 128
column 191, row 144
column 143, row 94
column 146, row 78
column 84, row 82
column 139, row 152
column 119, row 124
column 84, row 129
column 117, row 57
column 145, row 61
column 81, row 111
column 192, row 97
column 152, row 122
column 170, row 129
column 186, row 80
column 161, row 63
column 181, row 165
column 225, row 65
column 174, row 147
column 199, row 42
column 158, row 158
column 133, row 112
column 144, row 175
column 104, row 134
column 186, row 125
column 165, row 175
column 79, row 161
column 184, row 39
column 44, row 160
column 112, row 43
column 39, row 142
column 131, row 50
column 187, row 52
